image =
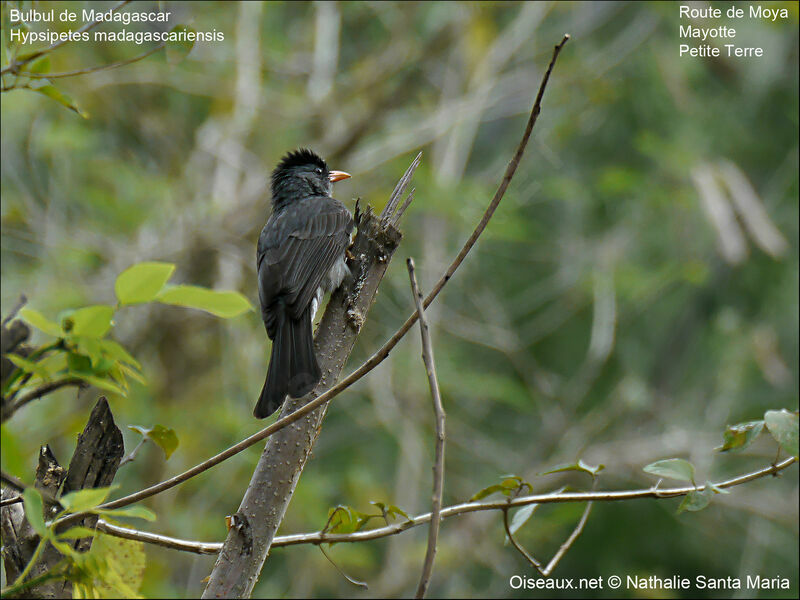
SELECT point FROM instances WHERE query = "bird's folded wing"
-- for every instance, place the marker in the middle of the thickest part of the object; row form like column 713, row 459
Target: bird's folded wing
column 299, row 248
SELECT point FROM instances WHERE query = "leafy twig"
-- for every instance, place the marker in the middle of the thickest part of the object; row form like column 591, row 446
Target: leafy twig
column 15, row 65
column 320, row 537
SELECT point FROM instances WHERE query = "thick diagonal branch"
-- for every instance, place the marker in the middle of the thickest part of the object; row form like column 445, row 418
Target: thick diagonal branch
column 276, row 475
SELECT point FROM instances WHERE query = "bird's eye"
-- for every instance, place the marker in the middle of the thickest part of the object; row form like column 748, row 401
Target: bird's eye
column 319, row 170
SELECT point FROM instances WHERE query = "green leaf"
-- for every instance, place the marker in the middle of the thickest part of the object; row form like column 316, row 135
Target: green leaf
column 740, row 436
column 118, row 376
column 138, row 512
column 511, row 482
column 34, row 510
column 117, row 351
column 487, row 491
column 164, row 437
column 99, row 382
column 782, row 424
column 85, row 499
column 117, row 566
column 674, row 468
column 345, row 519
column 92, row 321
column 65, row 548
column 177, row 51
column 394, row 511
column 43, row 86
column 578, row 466
column 521, row 517
column 40, row 65
column 89, row 347
column 221, row 304
column 78, row 363
column 75, row 533
column 42, row 323
column 29, row 366
column 696, row 500
column 390, row 511
column 132, row 373
column 142, row 282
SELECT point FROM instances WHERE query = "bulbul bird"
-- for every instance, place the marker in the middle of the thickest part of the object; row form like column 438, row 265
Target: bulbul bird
column 301, row 256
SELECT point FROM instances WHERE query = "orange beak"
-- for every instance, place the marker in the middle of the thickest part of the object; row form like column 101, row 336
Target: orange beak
column 335, row 176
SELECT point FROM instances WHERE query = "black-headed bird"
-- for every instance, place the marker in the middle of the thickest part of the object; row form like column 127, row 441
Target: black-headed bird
column 301, row 256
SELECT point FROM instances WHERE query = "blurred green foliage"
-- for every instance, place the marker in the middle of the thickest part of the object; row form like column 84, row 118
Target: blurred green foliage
column 608, row 313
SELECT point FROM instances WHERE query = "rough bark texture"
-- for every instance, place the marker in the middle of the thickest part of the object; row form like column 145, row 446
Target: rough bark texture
column 94, row 464
column 264, row 504
column 19, row 539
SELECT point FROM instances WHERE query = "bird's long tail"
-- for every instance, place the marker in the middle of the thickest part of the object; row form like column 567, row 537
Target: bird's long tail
column 293, row 367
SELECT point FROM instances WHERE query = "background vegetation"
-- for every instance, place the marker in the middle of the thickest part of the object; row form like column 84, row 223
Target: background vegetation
column 607, row 313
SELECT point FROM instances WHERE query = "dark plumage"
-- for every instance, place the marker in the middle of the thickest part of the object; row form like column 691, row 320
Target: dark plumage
column 300, row 257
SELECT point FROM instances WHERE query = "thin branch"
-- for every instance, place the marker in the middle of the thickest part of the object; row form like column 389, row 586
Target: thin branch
column 569, row 541
column 23, row 300
column 12, row 481
column 132, row 456
column 15, row 588
column 94, row 69
column 14, row 66
column 342, row 573
column 38, row 393
column 397, row 193
column 562, row 550
column 399, row 214
column 320, row 537
column 158, row 540
column 10, row 501
column 382, row 353
column 520, row 548
column 438, row 410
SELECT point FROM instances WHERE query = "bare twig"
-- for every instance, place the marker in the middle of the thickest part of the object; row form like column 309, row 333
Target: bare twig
column 438, row 410
column 10, row 501
column 520, row 548
column 569, row 541
column 397, row 193
column 562, row 550
column 157, row 539
column 342, row 573
column 40, row 391
column 132, row 456
column 23, row 300
column 96, row 68
column 399, row 214
column 381, row 353
column 14, row 66
column 12, row 481
column 322, row 537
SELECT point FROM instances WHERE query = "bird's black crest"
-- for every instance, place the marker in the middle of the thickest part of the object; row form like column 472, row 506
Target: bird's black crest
column 298, row 158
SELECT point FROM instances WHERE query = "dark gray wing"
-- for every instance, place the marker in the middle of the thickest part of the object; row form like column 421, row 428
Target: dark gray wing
column 296, row 249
